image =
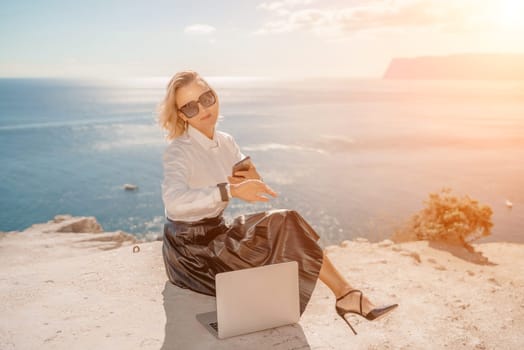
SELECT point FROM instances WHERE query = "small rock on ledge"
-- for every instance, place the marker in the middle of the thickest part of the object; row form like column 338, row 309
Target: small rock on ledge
column 386, row 243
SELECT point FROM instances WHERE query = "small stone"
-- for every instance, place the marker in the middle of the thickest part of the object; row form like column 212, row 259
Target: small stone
column 60, row 218
column 386, row 243
column 345, row 243
column 361, row 240
column 480, row 346
column 494, row 281
column 414, row 255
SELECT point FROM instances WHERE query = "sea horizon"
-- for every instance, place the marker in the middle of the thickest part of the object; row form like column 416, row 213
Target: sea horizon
column 355, row 156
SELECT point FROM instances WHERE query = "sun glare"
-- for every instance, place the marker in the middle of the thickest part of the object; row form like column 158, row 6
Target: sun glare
column 511, row 13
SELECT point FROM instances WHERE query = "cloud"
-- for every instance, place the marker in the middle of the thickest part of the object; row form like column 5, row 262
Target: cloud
column 282, row 7
column 309, row 19
column 464, row 15
column 199, row 29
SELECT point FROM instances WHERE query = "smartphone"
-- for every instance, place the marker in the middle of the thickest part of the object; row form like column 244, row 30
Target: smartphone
column 242, row 165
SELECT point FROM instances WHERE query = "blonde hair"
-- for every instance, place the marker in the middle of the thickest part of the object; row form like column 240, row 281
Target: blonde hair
column 167, row 110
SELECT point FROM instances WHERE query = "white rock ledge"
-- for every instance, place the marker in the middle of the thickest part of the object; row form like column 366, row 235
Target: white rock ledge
column 66, row 284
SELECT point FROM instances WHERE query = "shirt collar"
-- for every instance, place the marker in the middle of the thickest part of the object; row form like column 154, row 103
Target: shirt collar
column 202, row 139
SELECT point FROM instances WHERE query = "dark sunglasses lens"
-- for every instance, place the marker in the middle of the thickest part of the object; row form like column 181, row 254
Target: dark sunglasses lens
column 190, row 109
column 207, row 99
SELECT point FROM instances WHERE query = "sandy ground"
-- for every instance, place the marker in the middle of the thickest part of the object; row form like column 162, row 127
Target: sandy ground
column 64, row 288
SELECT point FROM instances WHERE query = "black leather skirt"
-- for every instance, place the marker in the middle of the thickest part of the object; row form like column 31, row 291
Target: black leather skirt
column 194, row 252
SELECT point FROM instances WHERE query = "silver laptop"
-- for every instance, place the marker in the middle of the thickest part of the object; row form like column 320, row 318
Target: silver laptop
column 254, row 299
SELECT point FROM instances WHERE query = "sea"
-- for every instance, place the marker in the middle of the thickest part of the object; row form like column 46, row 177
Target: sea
column 356, row 157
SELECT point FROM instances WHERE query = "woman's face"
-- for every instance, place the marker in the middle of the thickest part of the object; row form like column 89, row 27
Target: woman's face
column 206, row 118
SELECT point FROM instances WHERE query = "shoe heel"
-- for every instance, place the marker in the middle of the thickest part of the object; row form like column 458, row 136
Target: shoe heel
column 349, row 324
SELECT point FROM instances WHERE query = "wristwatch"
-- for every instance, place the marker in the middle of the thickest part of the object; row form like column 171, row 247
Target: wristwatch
column 225, row 191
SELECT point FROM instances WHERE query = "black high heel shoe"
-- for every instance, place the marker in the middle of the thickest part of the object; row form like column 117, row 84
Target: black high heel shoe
column 372, row 315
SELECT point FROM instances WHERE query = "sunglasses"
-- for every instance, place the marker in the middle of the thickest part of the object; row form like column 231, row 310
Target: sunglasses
column 191, row 108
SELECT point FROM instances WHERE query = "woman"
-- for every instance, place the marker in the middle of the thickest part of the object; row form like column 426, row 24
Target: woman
column 196, row 189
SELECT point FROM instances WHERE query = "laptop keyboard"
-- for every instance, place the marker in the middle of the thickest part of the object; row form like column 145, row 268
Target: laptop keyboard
column 214, row 325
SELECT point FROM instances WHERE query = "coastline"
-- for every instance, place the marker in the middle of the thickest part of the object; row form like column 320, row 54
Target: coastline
column 68, row 284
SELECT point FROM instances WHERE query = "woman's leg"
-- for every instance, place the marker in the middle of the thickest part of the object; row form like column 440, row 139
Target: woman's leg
column 340, row 286
column 332, row 278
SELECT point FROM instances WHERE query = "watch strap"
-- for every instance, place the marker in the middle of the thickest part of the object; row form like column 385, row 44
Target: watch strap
column 223, row 191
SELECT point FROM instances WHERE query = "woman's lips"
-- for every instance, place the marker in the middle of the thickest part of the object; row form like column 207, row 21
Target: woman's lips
column 206, row 116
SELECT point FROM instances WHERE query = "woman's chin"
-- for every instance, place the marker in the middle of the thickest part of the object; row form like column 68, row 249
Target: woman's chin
column 210, row 120
column 207, row 123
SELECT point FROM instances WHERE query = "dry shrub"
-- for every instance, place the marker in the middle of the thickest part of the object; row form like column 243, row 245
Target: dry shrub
column 448, row 218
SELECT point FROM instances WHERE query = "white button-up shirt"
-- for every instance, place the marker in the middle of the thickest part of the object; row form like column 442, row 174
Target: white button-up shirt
column 193, row 166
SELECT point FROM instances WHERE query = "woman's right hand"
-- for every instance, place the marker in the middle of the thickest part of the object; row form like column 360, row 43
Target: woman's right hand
column 250, row 190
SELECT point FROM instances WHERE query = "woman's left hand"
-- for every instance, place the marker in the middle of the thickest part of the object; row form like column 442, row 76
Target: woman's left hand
column 235, row 179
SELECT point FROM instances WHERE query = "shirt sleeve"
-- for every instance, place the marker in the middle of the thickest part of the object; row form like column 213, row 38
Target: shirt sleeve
column 180, row 200
column 236, row 150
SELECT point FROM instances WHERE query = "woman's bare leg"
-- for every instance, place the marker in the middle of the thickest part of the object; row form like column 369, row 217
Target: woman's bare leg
column 340, row 286
column 333, row 279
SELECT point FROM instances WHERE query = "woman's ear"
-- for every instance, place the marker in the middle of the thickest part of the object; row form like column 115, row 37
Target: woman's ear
column 181, row 116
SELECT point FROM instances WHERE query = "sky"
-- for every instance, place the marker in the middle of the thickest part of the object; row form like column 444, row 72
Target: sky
column 288, row 38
